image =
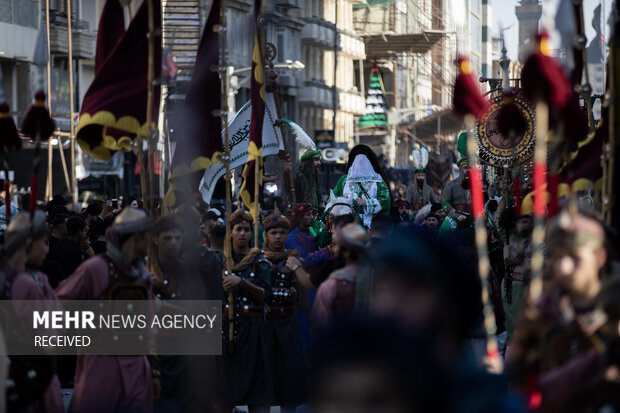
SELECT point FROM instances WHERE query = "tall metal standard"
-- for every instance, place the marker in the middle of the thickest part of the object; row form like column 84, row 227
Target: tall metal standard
column 223, row 114
column 153, row 33
column 73, row 188
column 611, row 172
column 48, row 184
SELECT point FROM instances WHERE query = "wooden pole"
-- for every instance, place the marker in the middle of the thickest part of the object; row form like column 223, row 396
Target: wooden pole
column 150, row 102
column 484, row 264
column 73, row 186
column 228, row 261
column 64, row 164
column 49, row 190
column 610, row 148
column 257, row 175
column 276, row 97
column 540, row 200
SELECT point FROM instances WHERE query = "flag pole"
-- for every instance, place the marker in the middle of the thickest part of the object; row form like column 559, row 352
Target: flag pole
column 48, row 185
column 223, row 113
column 73, row 186
column 257, row 172
column 484, row 264
column 150, row 138
column 276, row 97
column 540, row 200
column 610, row 149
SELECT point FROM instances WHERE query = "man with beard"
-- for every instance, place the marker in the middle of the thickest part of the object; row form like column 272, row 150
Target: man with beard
column 115, row 383
column 346, row 293
column 306, row 178
column 282, row 330
column 456, row 196
column 249, row 363
column 419, row 193
column 431, row 224
column 405, row 210
column 566, row 324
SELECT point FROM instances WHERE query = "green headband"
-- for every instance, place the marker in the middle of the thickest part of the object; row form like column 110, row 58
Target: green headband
column 311, row 154
column 462, row 161
column 420, row 170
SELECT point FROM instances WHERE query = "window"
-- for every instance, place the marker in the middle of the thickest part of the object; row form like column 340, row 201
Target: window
column 20, row 12
column 281, row 44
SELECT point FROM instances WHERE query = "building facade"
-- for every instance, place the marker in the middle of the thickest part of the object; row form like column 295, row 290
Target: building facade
column 528, row 13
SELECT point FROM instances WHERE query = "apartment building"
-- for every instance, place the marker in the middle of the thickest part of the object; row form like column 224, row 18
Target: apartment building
column 332, row 52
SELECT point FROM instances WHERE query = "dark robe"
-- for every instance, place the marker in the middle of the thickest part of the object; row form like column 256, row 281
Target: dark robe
column 251, row 378
column 283, row 334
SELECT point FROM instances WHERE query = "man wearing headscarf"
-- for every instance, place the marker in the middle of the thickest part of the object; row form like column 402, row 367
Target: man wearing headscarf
column 25, row 248
column 301, row 239
column 250, row 282
column 346, row 293
column 115, row 383
column 365, row 184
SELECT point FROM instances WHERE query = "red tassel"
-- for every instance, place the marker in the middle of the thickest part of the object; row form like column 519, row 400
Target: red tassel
column 477, row 200
column 34, row 181
column 38, row 120
column 467, row 95
column 543, row 78
column 540, row 198
column 554, row 183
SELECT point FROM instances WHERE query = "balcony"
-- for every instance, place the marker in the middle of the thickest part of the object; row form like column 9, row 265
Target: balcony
column 351, row 101
column 289, row 4
column 352, row 45
column 83, row 39
column 318, row 32
column 315, row 93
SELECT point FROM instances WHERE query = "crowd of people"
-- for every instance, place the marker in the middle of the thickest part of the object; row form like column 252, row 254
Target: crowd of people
column 366, row 300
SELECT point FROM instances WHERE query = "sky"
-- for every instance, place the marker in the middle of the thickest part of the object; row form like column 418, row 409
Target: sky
column 503, row 15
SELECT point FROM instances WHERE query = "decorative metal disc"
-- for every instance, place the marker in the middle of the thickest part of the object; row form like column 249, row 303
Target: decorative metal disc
column 497, row 150
column 271, row 52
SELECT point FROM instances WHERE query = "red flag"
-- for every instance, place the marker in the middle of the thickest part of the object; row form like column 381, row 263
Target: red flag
column 200, row 140
column 111, row 30
column 542, row 76
column 255, row 149
column 467, row 96
column 114, row 108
